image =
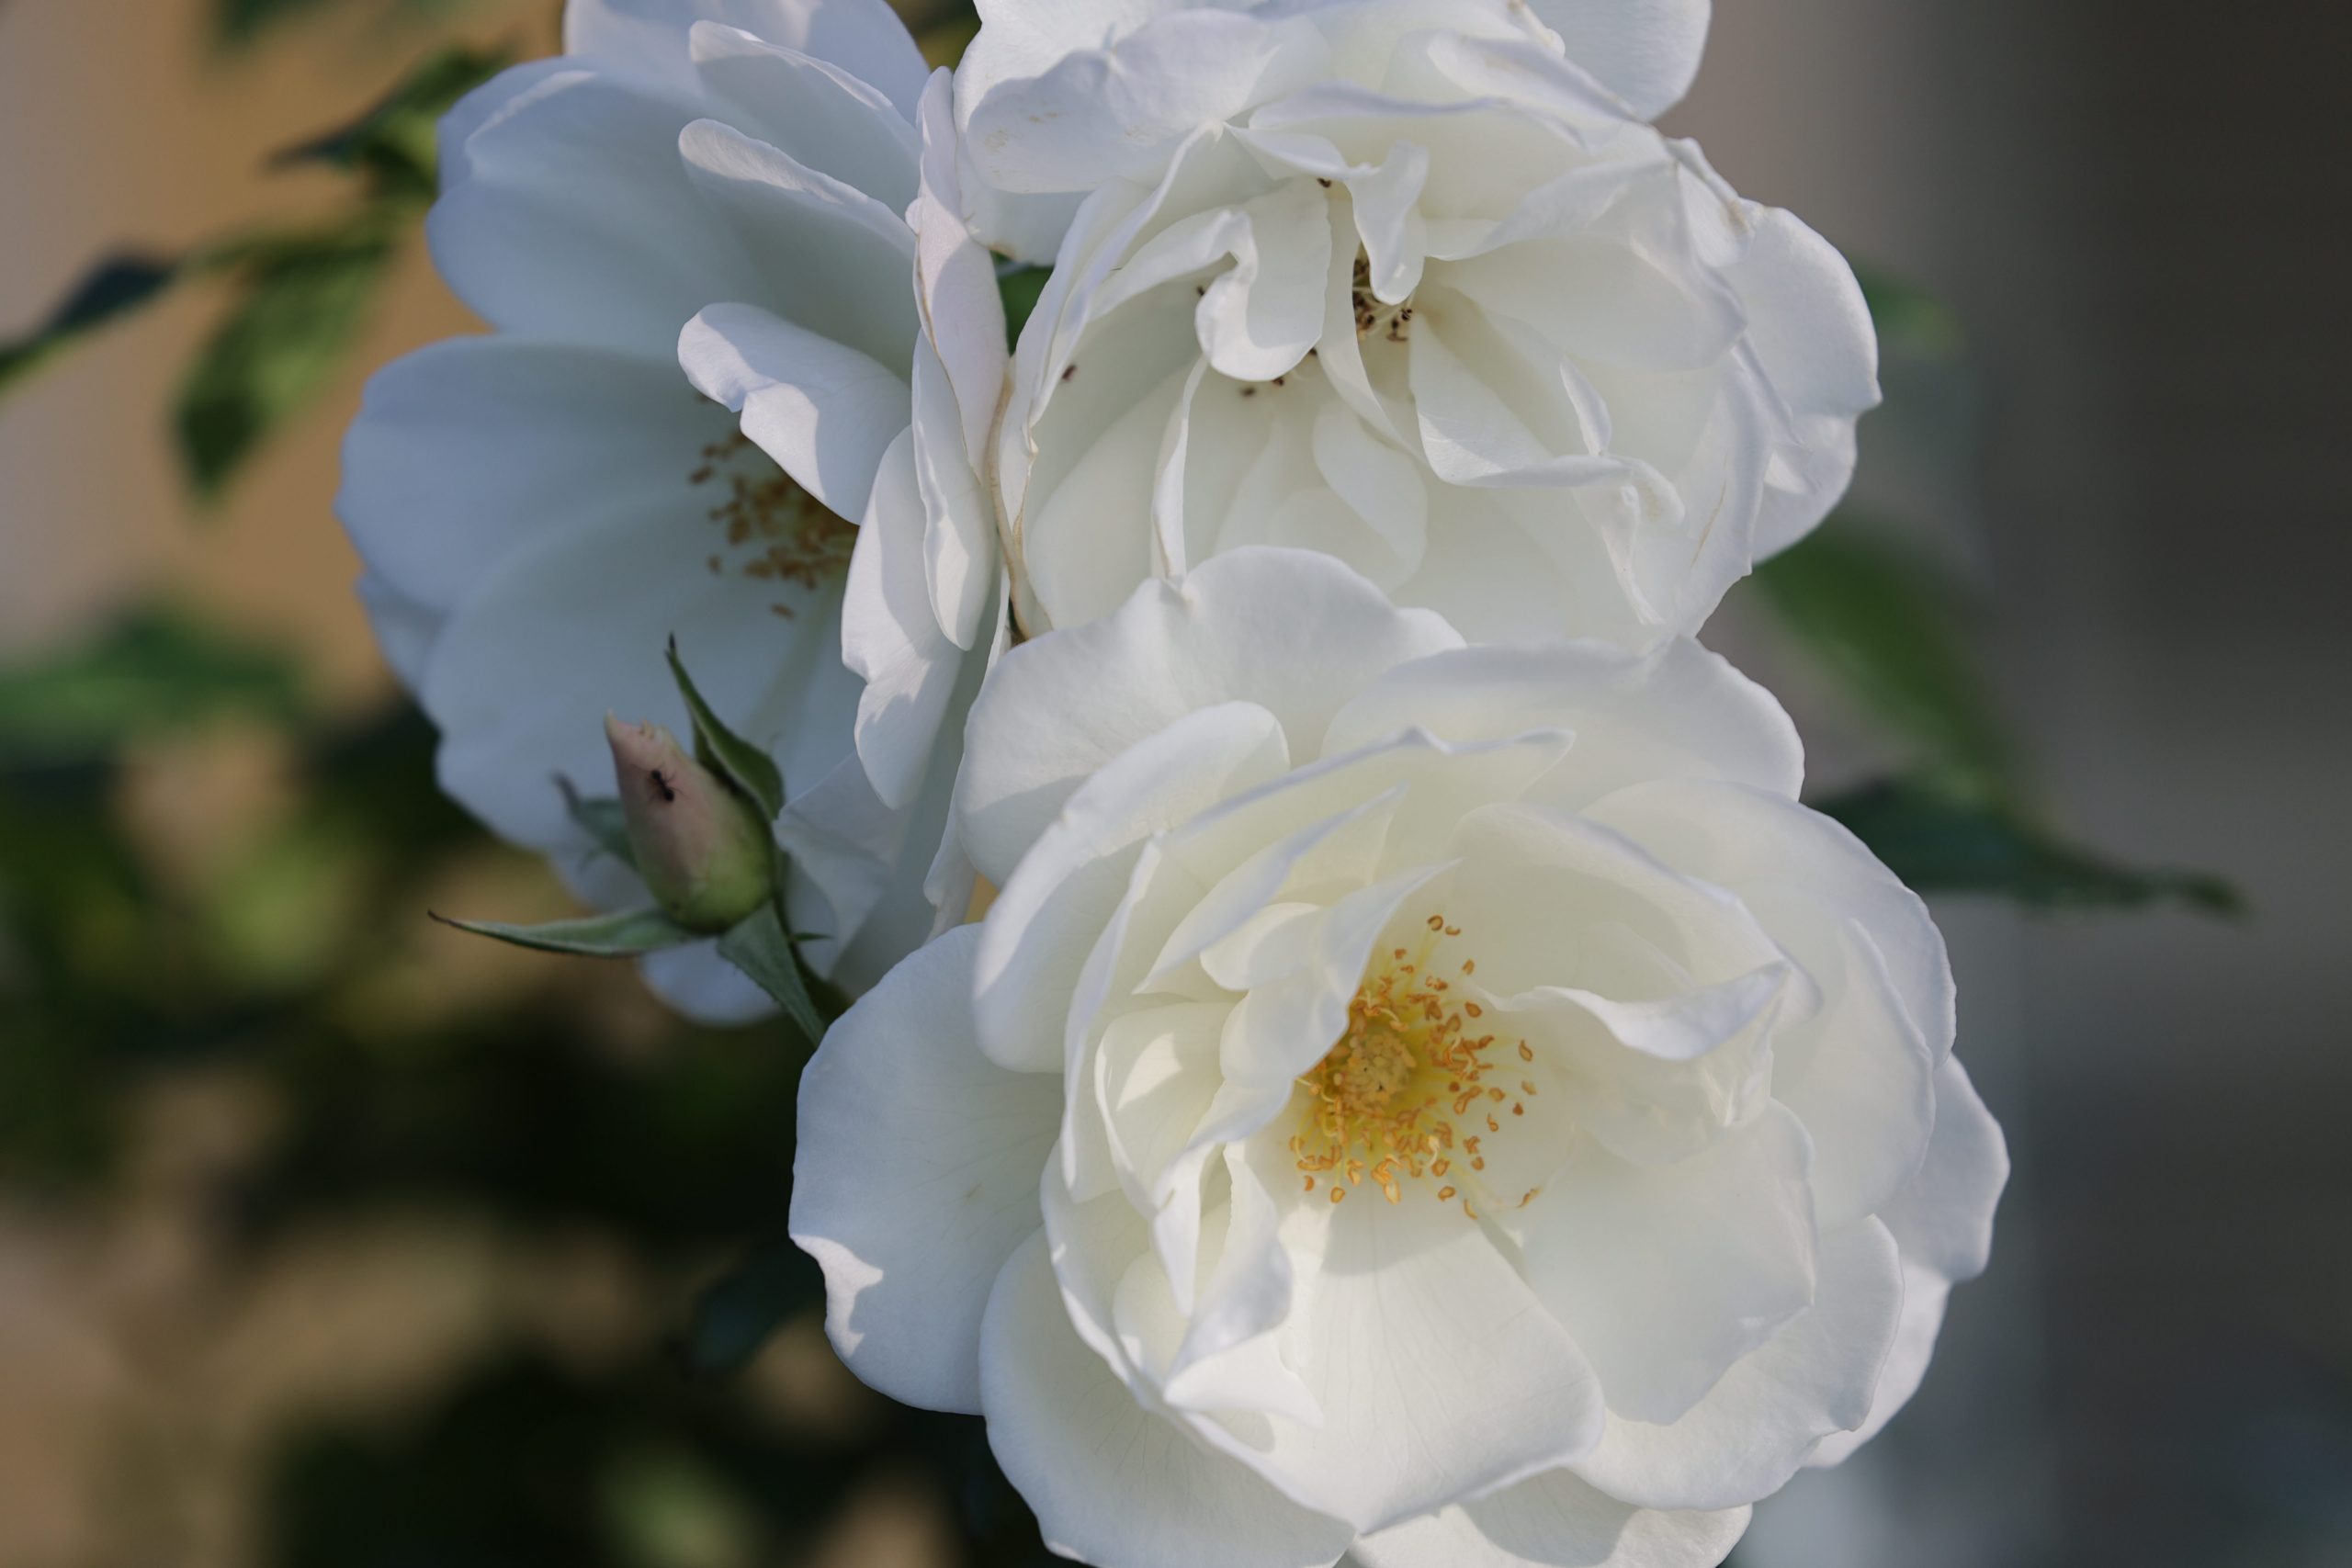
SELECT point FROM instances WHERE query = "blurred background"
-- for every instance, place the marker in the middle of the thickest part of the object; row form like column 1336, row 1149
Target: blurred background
column 329, row 1236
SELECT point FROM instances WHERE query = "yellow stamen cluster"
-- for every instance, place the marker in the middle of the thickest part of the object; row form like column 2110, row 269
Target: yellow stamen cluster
column 1403, row 1093
column 793, row 536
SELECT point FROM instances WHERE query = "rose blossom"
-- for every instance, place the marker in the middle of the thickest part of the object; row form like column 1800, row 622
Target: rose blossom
column 1412, row 284
column 541, row 509
column 1448, row 1105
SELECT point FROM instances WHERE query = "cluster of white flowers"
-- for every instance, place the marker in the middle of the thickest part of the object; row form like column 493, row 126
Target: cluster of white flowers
column 1421, row 1091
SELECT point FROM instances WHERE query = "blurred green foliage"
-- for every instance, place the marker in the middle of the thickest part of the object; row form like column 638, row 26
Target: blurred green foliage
column 157, row 672
column 236, row 23
column 1940, row 841
column 1896, row 635
column 290, row 961
column 301, row 300
column 300, row 297
column 116, row 286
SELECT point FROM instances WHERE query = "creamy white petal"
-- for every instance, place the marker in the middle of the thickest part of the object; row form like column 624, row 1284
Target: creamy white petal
column 573, row 222
column 1114, row 1483
column 1290, row 631
column 1554, row 1521
column 1289, row 1019
column 833, row 259
column 889, row 637
column 470, row 448
column 916, row 1176
column 1657, row 1079
column 1098, row 113
column 823, row 411
column 818, row 113
column 1756, row 843
column 1754, row 1430
column 1667, row 1275
column 1056, row 896
column 1600, row 297
column 962, row 366
column 1547, row 890
column 1814, row 342
column 491, row 100
column 405, row 629
column 1926, row 1293
column 1646, row 51
column 1861, row 1077
column 1438, row 1374
column 1677, row 712
column 1944, row 1218
column 864, row 38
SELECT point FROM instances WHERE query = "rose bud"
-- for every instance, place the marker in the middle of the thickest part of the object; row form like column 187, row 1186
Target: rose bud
column 701, row 847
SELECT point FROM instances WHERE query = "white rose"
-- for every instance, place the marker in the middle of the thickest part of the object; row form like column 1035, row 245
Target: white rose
column 1448, row 1105
column 540, row 509
column 1407, row 283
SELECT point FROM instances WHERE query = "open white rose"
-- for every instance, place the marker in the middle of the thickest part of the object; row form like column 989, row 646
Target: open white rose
column 542, row 508
column 1411, row 283
column 1447, row 1105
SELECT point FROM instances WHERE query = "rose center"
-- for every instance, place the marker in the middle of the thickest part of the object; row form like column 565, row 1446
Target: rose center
column 1376, row 317
column 1414, row 1087
column 774, row 531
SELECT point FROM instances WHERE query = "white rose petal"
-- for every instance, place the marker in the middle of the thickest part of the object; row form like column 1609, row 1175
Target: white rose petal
column 756, row 189
column 1493, row 1124
column 1415, row 286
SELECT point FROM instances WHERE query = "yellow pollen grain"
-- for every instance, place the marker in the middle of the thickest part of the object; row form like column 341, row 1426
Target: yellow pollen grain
column 1380, row 1108
column 780, row 533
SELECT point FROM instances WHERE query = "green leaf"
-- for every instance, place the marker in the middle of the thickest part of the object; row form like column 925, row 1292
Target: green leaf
column 1890, row 631
column 1939, row 842
column 623, row 935
column 761, row 948
column 602, row 819
column 743, row 765
column 1020, row 287
column 740, row 1312
column 1908, row 318
column 394, row 142
column 114, row 288
column 158, row 670
column 304, row 298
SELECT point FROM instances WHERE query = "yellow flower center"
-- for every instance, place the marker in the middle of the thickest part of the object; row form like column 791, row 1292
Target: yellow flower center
column 1412, row 1090
column 790, row 535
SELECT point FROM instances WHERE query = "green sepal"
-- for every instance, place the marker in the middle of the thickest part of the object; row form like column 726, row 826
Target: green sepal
column 602, row 819
column 761, row 948
column 720, row 749
column 623, row 935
